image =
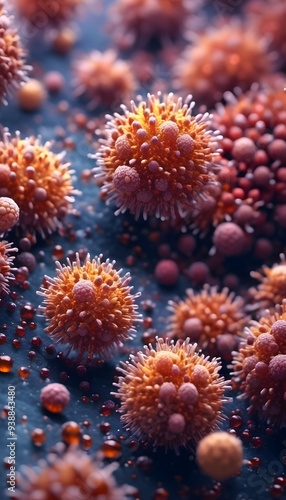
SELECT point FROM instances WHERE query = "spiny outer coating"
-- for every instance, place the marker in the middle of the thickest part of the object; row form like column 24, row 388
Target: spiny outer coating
column 103, row 78
column 220, row 455
column 272, row 289
column 13, row 68
column 6, row 262
column 37, row 180
column 260, row 367
column 74, row 475
column 217, row 313
column 228, row 56
column 89, row 307
column 42, row 14
column 156, row 158
column 9, row 213
column 171, row 395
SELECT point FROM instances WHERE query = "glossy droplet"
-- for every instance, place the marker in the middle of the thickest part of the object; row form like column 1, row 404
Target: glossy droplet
column 160, row 494
column 111, row 449
column 256, row 442
column 71, row 433
column 104, row 427
column 235, row 421
column 58, row 252
column 38, row 437
column 23, row 372
column 86, row 441
column 6, row 364
column 254, row 462
column 27, row 311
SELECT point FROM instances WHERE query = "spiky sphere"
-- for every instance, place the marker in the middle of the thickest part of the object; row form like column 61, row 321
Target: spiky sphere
column 12, row 57
column 72, row 475
column 156, row 158
column 9, row 213
column 103, row 79
column 260, row 367
column 89, row 307
column 272, row 287
column 43, row 14
column 6, row 262
column 172, row 395
column 38, row 181
column 222, row 59
column 211, row 318
column 139, row 21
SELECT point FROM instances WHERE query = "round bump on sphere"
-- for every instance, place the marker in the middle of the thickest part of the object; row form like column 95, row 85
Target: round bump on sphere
column 172, row 395
column 55, row 397
column 229, row 239
column 220, row 455
column 38, row 181
column 89, row 307
column 206, row 317
column 167, row 153
column 9, row 214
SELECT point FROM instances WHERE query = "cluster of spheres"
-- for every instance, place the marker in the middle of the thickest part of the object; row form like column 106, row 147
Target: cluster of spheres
column 152, row 132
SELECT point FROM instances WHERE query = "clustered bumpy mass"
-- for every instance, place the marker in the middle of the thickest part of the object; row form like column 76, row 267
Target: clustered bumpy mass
column 215, row 169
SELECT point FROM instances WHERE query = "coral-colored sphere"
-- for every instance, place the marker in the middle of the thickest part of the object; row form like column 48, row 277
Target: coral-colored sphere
column 260, row 367
column 55, row 397
column 272, row 287
column 156, row 158
column 136, row 22
column 103, row 79
column 9, row 213
column 222, row 59
column 220, row 455
column 172, row 395
column 89, row 307
column 45, row 14
column 206, row 318
column 6, row 262
column 31, row 95
column 71, row 473
column 13, row 68
column 38, row 181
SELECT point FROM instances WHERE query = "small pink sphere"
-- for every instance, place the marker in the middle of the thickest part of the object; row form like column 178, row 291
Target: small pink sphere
column 243, row 150
column 54, row 82
column 9, row 214
column 84, row 291
column 55, row 397
column 229, row 239
column 198, row 273
column 176, row 423
column 186, row 245
column 167, row 272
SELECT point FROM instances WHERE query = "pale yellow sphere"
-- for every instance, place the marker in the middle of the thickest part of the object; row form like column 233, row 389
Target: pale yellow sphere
column 220, row 455
column 31, row 95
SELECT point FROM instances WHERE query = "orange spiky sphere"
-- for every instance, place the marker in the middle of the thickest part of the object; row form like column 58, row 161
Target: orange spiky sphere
column 211, row 318
column 172, row 395
column 12, row 55
column 6, row 262
column 222, row 59
column 272, row 287
column 73, row 473
column 139, row 21
column 38, row 181
column 42, row 14
column 89, row 307
column 156, row 158
column 260, row 367
column 103, row 79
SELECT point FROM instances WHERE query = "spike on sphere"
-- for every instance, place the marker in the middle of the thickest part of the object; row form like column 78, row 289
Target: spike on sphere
column 6, row 262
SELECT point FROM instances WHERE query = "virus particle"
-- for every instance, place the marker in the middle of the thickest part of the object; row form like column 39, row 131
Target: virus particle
column 269, row 19
column 31, row 95
column 260, row 367
column 156, row 158
column 254, row 132
column 172, row 395
column 9, row 213
column 89, row 307
column 103, row 79
column 71, row 473
column 55, row 397
column 229, row 239
column 47, row 14
column 211, row 318
column 137, row 22
column 6, row 262
column 220, row 60
column 272, row 287
column 38, row 181
column 13, row 68
column 220, row 455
